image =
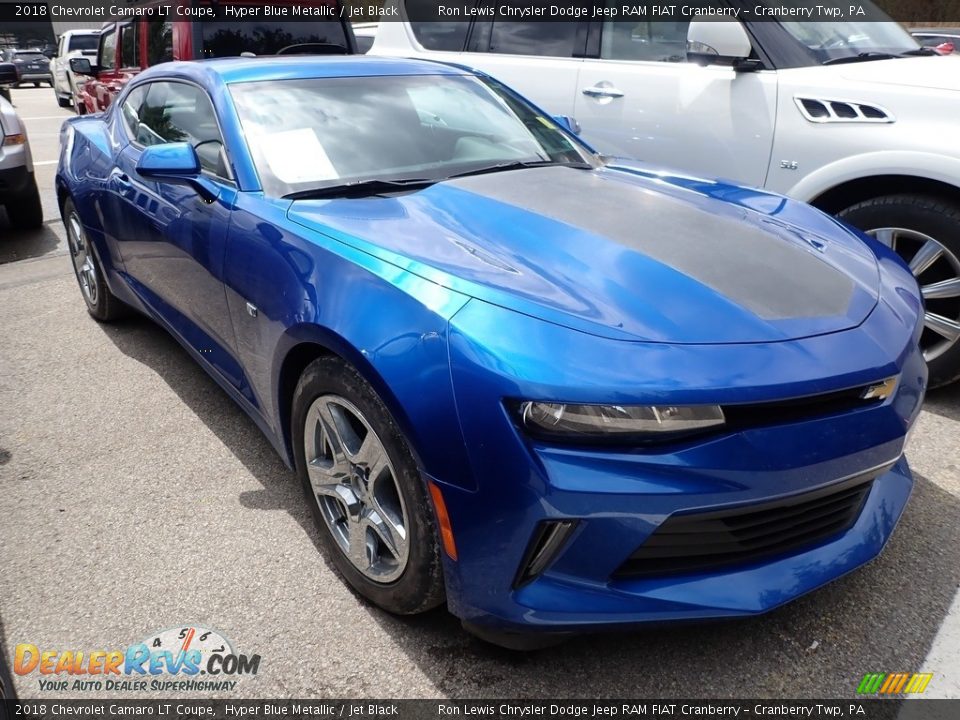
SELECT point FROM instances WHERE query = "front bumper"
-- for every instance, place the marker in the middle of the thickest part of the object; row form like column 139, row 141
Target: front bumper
column 619, row 497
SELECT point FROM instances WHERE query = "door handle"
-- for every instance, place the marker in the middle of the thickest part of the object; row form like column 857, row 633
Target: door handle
column 602, row 92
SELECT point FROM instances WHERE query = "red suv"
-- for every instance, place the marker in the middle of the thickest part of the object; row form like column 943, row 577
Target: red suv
column 129, row 46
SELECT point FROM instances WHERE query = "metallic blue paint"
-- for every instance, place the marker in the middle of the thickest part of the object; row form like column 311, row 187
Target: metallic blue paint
column 449, row 303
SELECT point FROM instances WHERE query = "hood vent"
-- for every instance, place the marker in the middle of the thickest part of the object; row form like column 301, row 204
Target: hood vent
column 820, row 110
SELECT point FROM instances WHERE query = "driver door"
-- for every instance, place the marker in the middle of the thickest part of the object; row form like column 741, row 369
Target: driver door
column 173, row 240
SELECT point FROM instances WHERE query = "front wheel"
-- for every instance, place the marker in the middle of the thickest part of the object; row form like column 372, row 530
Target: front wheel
column 925, row 232
column 362, row 484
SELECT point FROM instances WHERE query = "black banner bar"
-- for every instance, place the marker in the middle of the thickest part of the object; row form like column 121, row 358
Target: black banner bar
column 49, row 708
column 459, row 10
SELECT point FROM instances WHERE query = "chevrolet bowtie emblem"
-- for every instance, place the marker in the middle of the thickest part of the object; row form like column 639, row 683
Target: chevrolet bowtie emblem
column 880, row 391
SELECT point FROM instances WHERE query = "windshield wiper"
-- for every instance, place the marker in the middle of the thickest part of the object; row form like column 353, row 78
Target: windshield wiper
column 861, row 57
column 919, row 51
column 519, row 165
column 361, row 188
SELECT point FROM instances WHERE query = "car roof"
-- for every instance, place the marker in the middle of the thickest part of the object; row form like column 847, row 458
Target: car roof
column 293, row 67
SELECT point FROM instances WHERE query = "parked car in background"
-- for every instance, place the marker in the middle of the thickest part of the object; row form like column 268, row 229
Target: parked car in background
column 33, row 66
column 18, row 185
column 853, row 117
column 552, row 392
column 944, row 40
column 9, row 75
column 130, row 46
column 72, row 43
column 365, row 34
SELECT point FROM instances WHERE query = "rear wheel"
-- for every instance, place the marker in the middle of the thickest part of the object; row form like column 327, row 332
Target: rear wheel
column 925, row 232
column 102, row 304
column 364, row 489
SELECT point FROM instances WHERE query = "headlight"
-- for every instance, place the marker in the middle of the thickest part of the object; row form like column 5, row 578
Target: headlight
column 618, row 423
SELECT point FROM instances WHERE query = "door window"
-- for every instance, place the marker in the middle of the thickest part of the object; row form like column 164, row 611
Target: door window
column 446, row 36
column 547, row 39
column 131, row 109
column 108, row 50
column 178, row 112
column 129, row 47
column 650, row 41
column 159, row 42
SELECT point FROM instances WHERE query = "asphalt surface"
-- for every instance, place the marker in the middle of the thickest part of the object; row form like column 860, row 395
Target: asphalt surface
column 135, row 496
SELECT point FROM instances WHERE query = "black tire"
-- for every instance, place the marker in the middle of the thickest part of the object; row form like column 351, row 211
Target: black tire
column 36, row 84
column 420, row 586
column 103, row 305
column 62, row 101
column 25, row 210
column 938, row 219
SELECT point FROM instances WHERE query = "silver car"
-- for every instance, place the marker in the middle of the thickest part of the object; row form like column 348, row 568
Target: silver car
column 18, row 184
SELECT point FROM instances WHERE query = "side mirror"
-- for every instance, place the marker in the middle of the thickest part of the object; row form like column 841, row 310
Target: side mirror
column 169, row 161
column 81, row 66
column 568, row 123
column 8, row 74
column 176, row 163
column 717, row 41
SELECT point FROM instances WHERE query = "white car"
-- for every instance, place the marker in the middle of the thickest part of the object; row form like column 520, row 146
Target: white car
column 72, row 43
column 853, row 117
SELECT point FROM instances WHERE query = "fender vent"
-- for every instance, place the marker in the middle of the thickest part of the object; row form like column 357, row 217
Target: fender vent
column 820, row 110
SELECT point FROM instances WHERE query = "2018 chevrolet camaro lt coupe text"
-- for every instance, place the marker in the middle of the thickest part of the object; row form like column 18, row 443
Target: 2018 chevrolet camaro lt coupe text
column 555, row 391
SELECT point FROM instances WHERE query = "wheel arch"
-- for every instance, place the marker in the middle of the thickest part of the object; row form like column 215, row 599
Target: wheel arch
column 851, row 192
column 304, row 344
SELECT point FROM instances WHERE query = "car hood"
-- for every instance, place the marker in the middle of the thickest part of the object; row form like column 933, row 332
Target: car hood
column 621, row 252
column 935, row 72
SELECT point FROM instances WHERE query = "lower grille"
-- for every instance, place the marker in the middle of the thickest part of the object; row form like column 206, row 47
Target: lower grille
column 690, row 543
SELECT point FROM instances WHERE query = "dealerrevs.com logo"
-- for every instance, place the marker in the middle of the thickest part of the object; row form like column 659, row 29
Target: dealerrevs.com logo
column 188, row 658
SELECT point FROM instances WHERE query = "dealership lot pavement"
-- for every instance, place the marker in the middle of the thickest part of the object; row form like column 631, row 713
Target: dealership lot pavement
column 135, row 496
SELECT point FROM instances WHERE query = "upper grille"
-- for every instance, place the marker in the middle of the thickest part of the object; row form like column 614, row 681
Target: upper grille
column 689, row 543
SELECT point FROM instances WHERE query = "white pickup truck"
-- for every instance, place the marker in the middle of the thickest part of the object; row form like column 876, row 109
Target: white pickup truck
column 72, row 43
column 853, row 117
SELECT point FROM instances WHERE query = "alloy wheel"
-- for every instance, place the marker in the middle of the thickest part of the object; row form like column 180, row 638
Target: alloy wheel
column 355, row 486
column 83, row 261
column 937, row 270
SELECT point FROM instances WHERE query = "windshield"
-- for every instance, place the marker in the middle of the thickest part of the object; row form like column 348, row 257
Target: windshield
column 327, row 132
column 83, row 42
column 827, row 41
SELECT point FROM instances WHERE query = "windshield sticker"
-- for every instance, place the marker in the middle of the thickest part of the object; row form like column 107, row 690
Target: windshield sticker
column 296, row 156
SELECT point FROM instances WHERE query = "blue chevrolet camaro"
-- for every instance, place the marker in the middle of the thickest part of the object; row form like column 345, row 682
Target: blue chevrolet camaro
column 556, row 391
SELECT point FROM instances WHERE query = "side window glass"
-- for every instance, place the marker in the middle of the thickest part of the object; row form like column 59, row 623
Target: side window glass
column 108, row 50
column 547, row 39
column 159, row 42
column 177, row 112
column 131, row 109
column 650, row 41
column 447, row 36
column 129, row 47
